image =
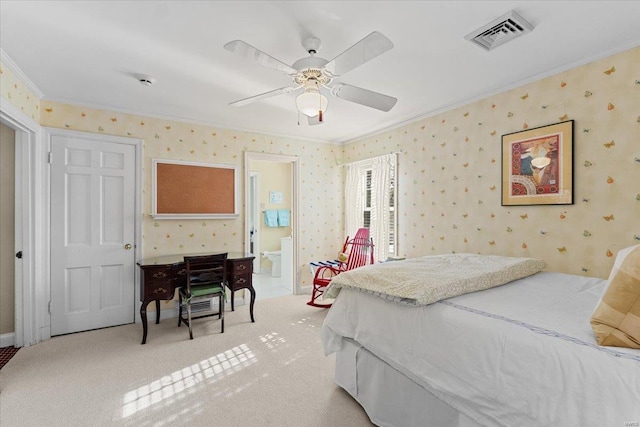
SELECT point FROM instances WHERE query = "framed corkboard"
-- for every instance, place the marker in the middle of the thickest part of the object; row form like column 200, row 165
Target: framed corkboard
column 193, row 190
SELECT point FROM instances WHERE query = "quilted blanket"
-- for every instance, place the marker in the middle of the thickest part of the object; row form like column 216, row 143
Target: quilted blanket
column 425, row 280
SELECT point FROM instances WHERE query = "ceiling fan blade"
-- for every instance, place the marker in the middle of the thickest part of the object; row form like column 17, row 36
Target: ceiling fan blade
column 363, row 96
column 246, row 50
column 365, row 50
column 265, row 95
column 315, row 120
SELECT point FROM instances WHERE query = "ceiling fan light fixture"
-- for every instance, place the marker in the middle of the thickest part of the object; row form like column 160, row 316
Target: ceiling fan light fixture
column 311, row 102
column 313, row 72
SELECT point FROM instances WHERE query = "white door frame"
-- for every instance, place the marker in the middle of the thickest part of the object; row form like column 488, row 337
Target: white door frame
column 295, row 202
column 255, row 215
column 48, row 134
column 28, row 216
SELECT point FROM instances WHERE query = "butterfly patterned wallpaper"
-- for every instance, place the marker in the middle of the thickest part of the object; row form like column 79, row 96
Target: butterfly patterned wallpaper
column 18, row 94
column 321, row 186
column 449, row 171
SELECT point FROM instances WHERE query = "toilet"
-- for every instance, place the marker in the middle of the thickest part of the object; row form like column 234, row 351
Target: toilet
column 276, row 263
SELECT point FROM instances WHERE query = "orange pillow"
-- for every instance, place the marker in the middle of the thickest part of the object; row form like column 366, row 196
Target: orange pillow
column 616, row 319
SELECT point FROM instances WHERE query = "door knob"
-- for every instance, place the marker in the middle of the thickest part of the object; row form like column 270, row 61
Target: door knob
column 127, row 246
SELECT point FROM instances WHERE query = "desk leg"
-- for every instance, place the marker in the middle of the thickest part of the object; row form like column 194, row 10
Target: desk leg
column 253, row 299
column 157, row 311
column 143, row 315
column 233, row 294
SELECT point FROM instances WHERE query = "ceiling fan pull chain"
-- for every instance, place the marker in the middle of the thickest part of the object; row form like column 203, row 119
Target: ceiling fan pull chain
column 320, row 109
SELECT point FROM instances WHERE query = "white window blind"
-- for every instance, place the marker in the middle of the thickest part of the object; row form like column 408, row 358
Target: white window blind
column 371, row 202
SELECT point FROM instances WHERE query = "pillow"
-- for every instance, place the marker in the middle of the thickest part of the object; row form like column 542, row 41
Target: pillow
column 616, row 319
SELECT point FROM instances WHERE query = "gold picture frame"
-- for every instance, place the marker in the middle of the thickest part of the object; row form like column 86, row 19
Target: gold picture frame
column 537, row 166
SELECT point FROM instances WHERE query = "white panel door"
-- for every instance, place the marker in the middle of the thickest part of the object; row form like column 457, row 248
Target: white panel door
column 92, row 234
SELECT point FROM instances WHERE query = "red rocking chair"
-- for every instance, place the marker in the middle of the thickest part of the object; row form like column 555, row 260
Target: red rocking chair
column 356, row 252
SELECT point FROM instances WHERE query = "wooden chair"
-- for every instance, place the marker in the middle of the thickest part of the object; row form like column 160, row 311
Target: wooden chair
column 356, row 252
column 206, row 275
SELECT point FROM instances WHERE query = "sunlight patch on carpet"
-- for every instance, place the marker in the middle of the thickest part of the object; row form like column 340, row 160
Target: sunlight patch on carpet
column 272, row 340
column 178, row 383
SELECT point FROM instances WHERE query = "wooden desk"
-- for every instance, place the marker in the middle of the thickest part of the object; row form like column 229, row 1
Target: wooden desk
column 160, row 276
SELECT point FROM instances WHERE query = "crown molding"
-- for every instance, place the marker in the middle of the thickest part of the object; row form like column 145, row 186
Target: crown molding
column 180, row 119
column 10, row 64
column 505, row 88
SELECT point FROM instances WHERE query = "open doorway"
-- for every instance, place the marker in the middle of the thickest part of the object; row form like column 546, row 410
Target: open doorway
column 21, row 135
column 271, row 209
column 7, row 236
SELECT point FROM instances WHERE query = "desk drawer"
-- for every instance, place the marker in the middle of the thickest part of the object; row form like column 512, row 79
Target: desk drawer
column 241, row 267
column 240, row 281
column 157, row 283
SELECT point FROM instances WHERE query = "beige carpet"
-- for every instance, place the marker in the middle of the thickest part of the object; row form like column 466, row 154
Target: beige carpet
column 269, row 373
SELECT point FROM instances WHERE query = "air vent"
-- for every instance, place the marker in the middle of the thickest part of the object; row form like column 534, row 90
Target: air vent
column 500, row 31
column 200, row 306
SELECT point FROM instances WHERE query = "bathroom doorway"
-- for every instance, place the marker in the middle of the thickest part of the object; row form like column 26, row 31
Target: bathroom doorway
column 271, row 209
column 253, row 217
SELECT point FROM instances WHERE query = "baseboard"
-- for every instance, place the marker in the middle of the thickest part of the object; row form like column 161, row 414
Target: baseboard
column 305, row 290
column 7, row 340
column 165, row 313
column 171, row 312
column 168, row 312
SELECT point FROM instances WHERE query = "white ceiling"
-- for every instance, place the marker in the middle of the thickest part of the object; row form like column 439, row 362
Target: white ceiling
column 88, row 52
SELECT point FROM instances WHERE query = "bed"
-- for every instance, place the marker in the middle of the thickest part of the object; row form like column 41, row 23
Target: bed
column 517, row 353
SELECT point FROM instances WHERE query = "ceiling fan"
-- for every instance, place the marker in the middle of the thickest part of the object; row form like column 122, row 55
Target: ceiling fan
column 314, row 73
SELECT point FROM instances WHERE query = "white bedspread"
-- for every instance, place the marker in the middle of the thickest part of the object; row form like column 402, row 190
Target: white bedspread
column 522, row 354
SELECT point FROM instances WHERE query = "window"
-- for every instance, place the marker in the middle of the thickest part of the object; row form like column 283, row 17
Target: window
column 371, row 202
column 392, row 211
column 366, row 213
column 366, row 217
